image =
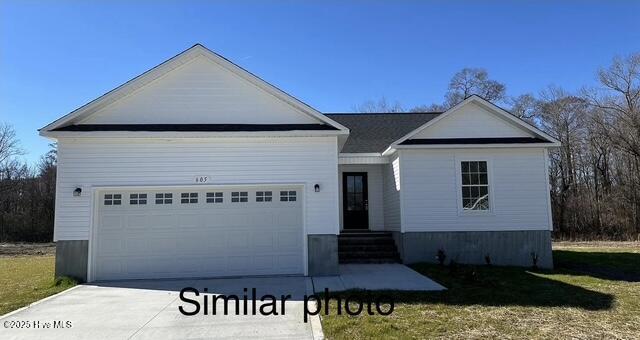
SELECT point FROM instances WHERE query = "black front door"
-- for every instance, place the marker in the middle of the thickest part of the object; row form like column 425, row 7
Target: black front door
column 355, row 200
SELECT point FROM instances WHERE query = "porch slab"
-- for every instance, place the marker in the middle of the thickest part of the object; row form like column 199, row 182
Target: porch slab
column 393, row 276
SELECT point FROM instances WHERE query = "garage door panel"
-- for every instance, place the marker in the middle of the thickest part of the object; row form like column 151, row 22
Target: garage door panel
column 288, row 262
column 263, row 240
column 200, row 239
column 137, row 221
column 288, row 240
column 162, row 221
column 238, row 264
column 111, row 222
column 111, row 246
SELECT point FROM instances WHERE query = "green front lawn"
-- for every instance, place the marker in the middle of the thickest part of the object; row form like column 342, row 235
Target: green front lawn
column 592, row 293
column 27, row 279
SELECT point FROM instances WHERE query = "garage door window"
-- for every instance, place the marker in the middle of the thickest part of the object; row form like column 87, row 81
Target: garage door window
column 137, row 199
column 214, row 197
column 264, row 196
column 287, row 196
column 189, row 197
column 239, row 196
column 164, row 198
column 112, row 199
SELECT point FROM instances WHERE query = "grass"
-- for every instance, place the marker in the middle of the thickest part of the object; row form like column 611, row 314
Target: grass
column 27, row 279
column 592, row 293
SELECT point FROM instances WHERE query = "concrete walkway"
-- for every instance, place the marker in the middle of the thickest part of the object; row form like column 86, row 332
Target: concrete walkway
column 392, row 276
column 148, row 309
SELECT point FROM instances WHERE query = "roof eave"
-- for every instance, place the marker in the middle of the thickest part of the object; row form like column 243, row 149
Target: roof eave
column 179, row 134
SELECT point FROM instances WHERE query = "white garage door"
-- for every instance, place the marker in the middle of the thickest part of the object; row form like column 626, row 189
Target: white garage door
column 194, row 232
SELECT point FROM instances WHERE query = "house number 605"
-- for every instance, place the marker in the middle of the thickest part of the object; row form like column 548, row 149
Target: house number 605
column 202, row 179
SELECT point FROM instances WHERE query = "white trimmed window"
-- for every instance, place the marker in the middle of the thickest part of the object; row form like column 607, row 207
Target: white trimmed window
column 264, row 196
column 164, row 198
column 112, row 199
column 287, row 196
column 239, row 196
column 188, row 197
column 137, row 199
column 214, row 197
column 475, row 185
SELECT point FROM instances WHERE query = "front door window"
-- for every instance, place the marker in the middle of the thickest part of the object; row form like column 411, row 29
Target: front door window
column 355, row 201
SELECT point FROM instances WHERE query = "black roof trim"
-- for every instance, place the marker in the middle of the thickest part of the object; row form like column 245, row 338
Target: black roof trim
column 503, row 140
column 197, row 127
column 380, row 113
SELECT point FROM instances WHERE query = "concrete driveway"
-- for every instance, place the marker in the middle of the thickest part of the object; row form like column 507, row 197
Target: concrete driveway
column 149, row 310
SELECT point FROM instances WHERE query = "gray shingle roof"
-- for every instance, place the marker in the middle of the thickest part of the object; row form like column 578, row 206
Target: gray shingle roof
column 374, row 132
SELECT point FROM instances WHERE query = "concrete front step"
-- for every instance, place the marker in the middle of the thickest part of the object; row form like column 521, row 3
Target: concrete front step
column 367, row 247
column 367, row 254
column 370, row 260
column 366, row 243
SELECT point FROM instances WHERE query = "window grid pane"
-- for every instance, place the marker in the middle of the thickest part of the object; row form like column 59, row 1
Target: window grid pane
column 475, row 185
column 214, row 197
column 287, row 196
column 264, row 196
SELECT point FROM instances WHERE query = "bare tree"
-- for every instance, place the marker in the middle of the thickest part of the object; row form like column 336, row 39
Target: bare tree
column 379, row 106
column 524, row 106
column 619, row 98
column 469, row 81
column 9, row 143
column 429, row 108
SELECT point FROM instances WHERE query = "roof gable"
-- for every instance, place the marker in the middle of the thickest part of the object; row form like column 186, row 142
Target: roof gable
column 195, row 87
column 475, row 118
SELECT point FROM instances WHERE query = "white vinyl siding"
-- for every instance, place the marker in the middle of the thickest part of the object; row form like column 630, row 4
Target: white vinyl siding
column 391, row 186
column 94, row 162
column 431, row 190
column 472, row 121
column 375, row 188
column 199, row 92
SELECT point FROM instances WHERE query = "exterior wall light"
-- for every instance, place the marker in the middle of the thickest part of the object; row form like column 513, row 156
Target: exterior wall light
column 316, row 187
column 77, row 192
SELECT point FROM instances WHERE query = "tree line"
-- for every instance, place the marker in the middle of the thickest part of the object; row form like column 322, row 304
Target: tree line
column 594, row 175
column 27, row 193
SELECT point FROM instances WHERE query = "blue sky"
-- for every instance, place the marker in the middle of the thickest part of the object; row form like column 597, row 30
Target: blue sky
column 55, row 57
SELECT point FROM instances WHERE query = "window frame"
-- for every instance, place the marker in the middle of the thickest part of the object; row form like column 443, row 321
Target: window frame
column 164, row 199
column 217, row 197
column 190, row 197
column 239, row 197
column 287, row 196
column 264, row 196
column 138, row 199
column 492, row 200
column 112, row 199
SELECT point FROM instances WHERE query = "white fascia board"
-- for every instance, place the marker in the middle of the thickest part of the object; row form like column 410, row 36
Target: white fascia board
column 170, row 134
column 487, row 104
column 362, row 158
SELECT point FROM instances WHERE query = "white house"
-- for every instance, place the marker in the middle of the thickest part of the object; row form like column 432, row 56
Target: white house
column 198, row 168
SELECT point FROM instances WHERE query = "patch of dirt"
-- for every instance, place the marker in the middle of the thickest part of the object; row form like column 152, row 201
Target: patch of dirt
column 27, row 249
column 597, row 244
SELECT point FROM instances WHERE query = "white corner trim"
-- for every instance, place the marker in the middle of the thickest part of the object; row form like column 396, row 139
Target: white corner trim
column 548, row 195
